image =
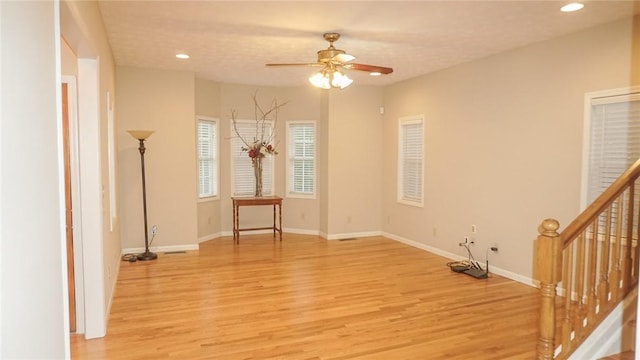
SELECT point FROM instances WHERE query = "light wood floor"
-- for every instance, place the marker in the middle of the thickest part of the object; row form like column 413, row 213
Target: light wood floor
column 307, row 298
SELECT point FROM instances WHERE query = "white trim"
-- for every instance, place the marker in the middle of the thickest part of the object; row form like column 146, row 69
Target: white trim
column 209, row 237
column 2, row 238
column 288, row 184
column 216, row 191
column 162, row 249
column 113, row 291
column 301, row 231
column 352, row 235
column 91, row 197
column 412, row 119
column 111, row 158
column 208, row 199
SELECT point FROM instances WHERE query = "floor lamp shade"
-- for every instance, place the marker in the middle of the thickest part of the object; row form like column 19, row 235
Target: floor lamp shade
column 141, row 135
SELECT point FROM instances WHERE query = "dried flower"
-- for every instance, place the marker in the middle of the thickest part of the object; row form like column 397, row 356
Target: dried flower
column 262, row 143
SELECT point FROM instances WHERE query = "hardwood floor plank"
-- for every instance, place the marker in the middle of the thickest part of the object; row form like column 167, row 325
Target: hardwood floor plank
column 308, row 298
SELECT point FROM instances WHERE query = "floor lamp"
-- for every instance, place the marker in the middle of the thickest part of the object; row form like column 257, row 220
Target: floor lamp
column 141, row 135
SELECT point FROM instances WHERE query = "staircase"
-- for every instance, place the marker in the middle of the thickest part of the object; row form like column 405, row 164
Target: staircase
column 586, row 270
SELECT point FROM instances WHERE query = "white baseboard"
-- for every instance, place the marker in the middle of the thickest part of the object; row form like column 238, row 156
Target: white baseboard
column 302, row 231
column 210, row 237
column 113, row 291
column 352, row 235
column 495, row 270
column 161, row 249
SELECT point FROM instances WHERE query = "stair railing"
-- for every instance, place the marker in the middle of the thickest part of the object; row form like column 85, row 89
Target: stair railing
column 587, row 269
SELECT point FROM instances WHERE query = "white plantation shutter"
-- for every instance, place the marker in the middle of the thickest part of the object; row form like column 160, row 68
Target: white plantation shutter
column 243, row 174
column 301, row 158
column 207, row 158
column 614, row 143
column 410, row 165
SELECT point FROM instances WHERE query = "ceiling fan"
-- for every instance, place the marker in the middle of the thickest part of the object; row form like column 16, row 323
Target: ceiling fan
column 332, row 60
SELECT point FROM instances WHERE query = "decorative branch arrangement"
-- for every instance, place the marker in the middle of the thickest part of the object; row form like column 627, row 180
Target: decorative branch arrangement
column 262, row 143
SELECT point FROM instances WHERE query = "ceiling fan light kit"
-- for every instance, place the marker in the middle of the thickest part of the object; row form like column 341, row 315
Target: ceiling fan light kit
column 331, row 60
column 327, row 80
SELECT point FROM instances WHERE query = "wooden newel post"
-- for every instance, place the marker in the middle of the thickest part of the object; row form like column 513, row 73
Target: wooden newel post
column 548, row 271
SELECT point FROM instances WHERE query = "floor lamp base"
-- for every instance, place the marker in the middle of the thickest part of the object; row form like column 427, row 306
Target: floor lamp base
column 148, row 255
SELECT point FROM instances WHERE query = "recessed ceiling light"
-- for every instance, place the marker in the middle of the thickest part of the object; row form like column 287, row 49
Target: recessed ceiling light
column 572, row 7
column 375, row 73
column 182, row 56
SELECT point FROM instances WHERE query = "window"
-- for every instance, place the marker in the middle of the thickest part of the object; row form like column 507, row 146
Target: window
column 207, row 157
column 613, row 131
column 301, row 167
column 410, row 162
column 243, row 177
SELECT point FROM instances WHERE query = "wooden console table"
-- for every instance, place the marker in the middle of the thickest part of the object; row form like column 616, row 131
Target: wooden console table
column 256, row 201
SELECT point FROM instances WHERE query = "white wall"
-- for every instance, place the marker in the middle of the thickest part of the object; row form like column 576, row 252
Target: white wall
column 83, row 31
column 33, row 262
column 503, row 142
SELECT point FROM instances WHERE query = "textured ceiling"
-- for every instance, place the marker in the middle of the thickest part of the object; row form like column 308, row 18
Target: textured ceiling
column 230, row 41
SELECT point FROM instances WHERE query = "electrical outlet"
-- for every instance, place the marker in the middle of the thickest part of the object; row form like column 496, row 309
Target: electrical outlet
column 473, row 229
column 494, row 248
column 154, row 229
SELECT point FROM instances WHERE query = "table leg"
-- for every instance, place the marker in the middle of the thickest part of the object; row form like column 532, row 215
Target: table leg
column 236, row 233
column 274, row 220
column 280, row 219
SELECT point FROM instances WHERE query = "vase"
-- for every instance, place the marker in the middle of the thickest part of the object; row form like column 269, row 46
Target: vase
column 257, row 171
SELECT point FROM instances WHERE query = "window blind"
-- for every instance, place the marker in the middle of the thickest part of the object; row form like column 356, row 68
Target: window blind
column 301, row 154
column 614, row 140
column 207, row 158
column 411, row 160
column 243, row 175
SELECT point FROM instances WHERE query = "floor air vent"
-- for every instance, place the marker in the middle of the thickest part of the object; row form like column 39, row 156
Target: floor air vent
column 348, row 239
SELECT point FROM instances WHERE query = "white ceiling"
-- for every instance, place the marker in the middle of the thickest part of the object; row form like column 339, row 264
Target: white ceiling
column 230, row 41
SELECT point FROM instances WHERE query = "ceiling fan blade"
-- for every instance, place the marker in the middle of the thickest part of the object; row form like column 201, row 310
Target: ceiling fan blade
column 343, row 58
column 296, row 64
column 369, row 68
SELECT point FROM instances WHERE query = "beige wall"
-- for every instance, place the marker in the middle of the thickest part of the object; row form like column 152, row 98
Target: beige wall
column 207, row 98
column 503, row 142
column 348, row 124
column 303, row 104
column 162, row 101
column 503, row 137
column 354, row 149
